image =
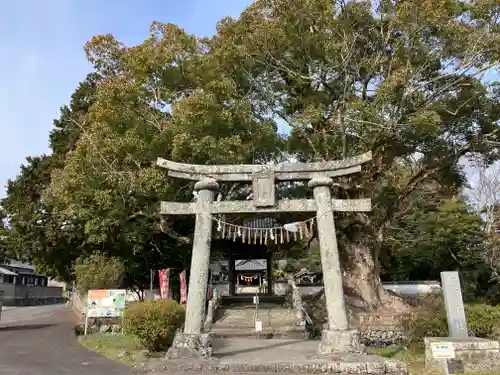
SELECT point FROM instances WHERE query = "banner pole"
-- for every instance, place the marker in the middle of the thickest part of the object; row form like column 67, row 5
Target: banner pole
column 151, row 276
column 86, row 323
column 169, row 294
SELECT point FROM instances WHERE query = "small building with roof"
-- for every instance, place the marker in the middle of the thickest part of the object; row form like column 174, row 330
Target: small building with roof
column 20, row 273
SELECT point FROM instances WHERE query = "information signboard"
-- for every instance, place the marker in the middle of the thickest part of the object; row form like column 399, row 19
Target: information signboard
column 258, row 326
column 106, row 303
column 443, row 350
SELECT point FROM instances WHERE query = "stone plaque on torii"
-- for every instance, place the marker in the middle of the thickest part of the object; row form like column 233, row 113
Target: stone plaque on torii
column 338, row 337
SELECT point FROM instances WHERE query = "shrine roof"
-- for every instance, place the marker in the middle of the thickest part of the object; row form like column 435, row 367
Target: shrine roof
column 240, row 265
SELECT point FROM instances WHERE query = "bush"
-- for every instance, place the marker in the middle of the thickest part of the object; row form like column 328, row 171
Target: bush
column 154, row 322
column 429, row 320
column 483, row 320
column 98, row 271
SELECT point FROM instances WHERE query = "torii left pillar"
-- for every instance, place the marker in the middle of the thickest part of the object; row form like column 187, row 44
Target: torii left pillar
column 193, row 342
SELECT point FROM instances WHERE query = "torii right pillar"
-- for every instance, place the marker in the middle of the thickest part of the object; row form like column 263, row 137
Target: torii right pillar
column 337, row 337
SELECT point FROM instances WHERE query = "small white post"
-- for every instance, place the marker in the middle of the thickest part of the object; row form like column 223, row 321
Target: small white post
column 86, row 325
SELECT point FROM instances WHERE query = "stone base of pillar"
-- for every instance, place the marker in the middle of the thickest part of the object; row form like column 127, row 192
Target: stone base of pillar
column 340, row 341
column 186, row 345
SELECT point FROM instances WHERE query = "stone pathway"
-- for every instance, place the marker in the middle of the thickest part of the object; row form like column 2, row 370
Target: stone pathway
column 297, row 356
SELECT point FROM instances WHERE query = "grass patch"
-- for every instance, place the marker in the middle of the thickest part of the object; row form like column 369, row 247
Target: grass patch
column 119, row 347
column 414, row 357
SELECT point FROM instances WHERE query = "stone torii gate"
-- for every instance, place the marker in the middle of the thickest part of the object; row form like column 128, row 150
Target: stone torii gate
column 338, row 337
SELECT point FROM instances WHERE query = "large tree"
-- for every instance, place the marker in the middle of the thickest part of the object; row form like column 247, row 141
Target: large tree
column 401, row 79
column 430, row 238
column 159, row 98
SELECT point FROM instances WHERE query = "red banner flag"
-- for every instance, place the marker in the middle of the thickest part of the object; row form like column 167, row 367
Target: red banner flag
column 182, row 279
column 164, row 283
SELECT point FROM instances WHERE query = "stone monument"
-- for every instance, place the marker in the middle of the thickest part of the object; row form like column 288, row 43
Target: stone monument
column 454, row 305
column 338, row 337
column 468, row 353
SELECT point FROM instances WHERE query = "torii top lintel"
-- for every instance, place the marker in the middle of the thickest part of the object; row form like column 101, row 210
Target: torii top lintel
column 282, row 172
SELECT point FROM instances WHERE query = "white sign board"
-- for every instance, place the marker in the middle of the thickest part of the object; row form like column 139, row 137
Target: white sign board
column 443, row 350
column 255, row 300
column 258, row 326
column 106, row 303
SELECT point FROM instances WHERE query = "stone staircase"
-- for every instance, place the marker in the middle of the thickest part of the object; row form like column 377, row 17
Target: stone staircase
column 236, row 316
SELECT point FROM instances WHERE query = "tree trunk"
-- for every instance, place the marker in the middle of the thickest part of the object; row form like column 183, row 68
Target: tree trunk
column 362, row 285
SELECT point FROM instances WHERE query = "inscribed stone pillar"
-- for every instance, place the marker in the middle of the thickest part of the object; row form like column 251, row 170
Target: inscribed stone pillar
column 338, row 337
column 454, row 304
column 200, row 261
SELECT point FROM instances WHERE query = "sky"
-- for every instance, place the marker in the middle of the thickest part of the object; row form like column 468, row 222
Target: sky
column 42, row 58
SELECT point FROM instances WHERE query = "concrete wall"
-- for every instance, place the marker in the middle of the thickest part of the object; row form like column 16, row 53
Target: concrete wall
column 59, row 284
column 414, row 289
column 132, row 296
column 222, row 289
column 279, row 288
column 407, row 289
column 20, row 295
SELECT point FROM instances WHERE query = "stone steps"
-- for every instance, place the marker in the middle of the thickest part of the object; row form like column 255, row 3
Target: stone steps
column 247, row 301
column 240, row 332
column 239, row 321
column 246, row 317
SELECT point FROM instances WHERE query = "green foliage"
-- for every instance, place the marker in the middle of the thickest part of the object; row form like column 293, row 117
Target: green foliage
column 113, row 346
column 429, row 320
column 4, row 235
column 343, row 78
column 426, row 320
column 484, row 320
column 98, row 271
column 349, row 77
column 431, row 237
column 154, row 322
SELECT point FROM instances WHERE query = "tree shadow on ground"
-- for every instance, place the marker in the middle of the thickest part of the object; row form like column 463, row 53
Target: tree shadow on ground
column 25, row 327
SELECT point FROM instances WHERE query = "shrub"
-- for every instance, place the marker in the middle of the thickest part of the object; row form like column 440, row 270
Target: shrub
column 429, row 320
column 154, row 322
column 483, row 320
column 98, row 271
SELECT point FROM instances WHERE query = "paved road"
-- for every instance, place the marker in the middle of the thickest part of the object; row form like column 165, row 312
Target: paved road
column 39, row 340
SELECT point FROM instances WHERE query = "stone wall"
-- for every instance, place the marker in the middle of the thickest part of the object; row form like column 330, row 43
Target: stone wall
column 22, row 295
column 378, row 330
